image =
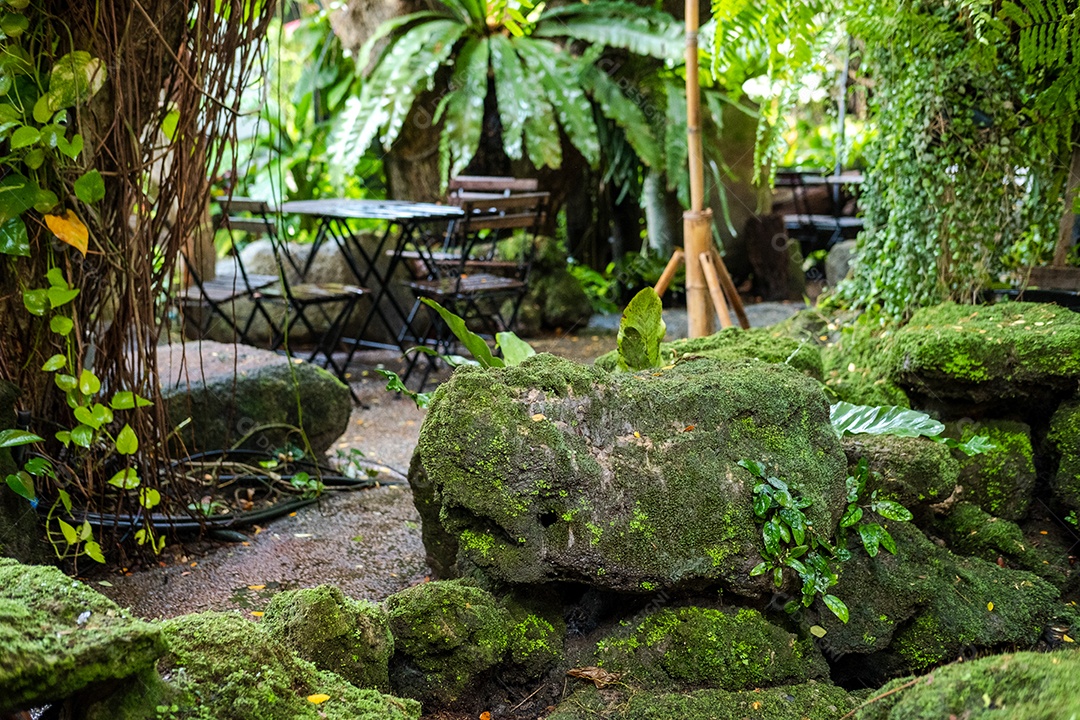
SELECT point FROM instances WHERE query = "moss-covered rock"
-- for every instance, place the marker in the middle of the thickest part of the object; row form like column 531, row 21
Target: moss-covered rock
column 222, row 666
column 914, row 471
column 1002, row 479
column 925, row 605
column 854, row 360
column 228, row 391
column 808, row 701
column 441, row 547
column 57, row 637
column 344, row 636
column 707, row 647
column 969, row 530
column 449, row 636
column 731, row 344
column 1064, row 440
column 1019, row 686
column 556, row 471
column 1007, row 353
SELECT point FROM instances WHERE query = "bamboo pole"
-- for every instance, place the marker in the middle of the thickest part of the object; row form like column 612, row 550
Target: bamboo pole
column 697, row 219
column 714, row 290
column 729, row 288
column 669, row 272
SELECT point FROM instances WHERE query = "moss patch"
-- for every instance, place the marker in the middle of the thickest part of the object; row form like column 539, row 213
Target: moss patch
column 763, row 344
column 969, row 530
column 808, row 701
column 705, row 647
column 57, row 636
column 225, row 667
column 1011, row 351
column 1064, row 438
column 1001, row 480
column 1021, row 686
column 913, row 471
column 344, row 636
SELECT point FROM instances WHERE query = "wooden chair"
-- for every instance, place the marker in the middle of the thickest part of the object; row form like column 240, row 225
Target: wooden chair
column 477, row 289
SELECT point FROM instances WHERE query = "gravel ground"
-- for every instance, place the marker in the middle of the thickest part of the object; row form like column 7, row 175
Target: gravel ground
column 367, row 541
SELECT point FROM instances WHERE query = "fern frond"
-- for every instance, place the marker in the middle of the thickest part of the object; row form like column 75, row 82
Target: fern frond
column 640, row 30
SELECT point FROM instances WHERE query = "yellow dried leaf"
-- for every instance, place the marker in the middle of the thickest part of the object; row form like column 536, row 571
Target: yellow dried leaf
column 598, row 676
column 69, row 229
column 257, row 613
column 817, row 631
column 256, row 587
column 637, row 434
column 1066, row 638
column 318, row 698
column 538, row 417
column 990, row 606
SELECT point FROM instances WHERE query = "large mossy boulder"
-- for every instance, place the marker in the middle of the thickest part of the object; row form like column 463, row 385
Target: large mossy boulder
column 554, row 471
column 692, row 647
column 451, row 636
column 808, row 701
column 1009, row 354
column 925, row 606
column 733, row 344
column 59, row 637
column 1000, row 480
column 1018, row 686
column 914, row 471
column 344, row 636
column 1064, row 441
column 222, row 666
column 231, row 391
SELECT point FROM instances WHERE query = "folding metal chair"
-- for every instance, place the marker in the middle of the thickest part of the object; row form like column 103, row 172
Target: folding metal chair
column 477, row 287
column 334, row 302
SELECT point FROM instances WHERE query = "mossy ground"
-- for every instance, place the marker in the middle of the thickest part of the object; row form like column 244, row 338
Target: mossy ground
column 1020, row 686
column 707, row 647
column 1002, row 479
column 969, row 530
column 807, row 701
column 58, row 636
column 730, row 344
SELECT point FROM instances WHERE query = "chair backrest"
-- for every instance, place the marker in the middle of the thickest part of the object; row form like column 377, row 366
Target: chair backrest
column 487, row 221
column 499, row 185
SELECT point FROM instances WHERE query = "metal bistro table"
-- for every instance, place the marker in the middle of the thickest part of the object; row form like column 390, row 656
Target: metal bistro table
column 404, row 222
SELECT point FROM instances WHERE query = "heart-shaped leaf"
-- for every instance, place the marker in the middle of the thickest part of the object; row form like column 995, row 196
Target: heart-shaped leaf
column 17, row 195
column 71, row 536
column 66, row 382
column 56, row 362
column 69, row 229
column 56, row 278
column 82, row 436
column 83, row 415
column 61, row 325
column 149, row 498
column 23, row 485
column 74, row 79
column 90, row 187
column 13, row 238
column 127, row 479
column 36, row 302
column 24, row 137
column 127, row 443
column 125, row 400
column 58, row 297
column 70, row 148
column 93, row 551
column 14, row 438
column 88, row 383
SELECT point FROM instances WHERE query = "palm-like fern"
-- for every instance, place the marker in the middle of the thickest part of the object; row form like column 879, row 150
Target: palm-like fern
column 540, row 85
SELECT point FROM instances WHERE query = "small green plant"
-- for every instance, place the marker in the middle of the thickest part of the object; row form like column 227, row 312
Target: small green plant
column 514, row 352
column 792, row 542
column 641, row 331
column 308, row 486
column 353, row 463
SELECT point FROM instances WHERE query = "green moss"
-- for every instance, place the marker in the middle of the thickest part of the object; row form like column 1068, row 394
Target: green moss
column 937, row 604
column 807, row 701
column 348, row 637
column 912, row 471
column 225, row 667
column 1000, row 480
column 999, row 352
column 1064, row 438
column 854, row 366
column 971, row 531
column 58, row 636
column 693, row 646
column 1020, row 686
column 449, row 634
column 733, row 344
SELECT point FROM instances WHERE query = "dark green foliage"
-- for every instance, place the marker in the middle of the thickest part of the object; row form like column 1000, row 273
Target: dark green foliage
column 971, row 531
column 57, row 636
column 913, row 471
column 1002, row 479
column 338, row 634
column 702, row 647
column 1020, row 686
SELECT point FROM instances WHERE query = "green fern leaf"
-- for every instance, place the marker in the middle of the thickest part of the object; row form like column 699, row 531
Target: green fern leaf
column 463, row 109
column 627, row 115
column 514, row 96
column 640, row 30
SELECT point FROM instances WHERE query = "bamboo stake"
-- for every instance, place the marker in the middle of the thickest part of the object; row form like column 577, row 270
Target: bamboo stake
column 729, row 288
column 714, row 290
column 670, row 269
column 696, row 220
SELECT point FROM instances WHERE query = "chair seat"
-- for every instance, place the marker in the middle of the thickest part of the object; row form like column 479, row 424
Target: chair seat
column 466, row 285
column 310, row 292
column 228, row 287
column 823, row 222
